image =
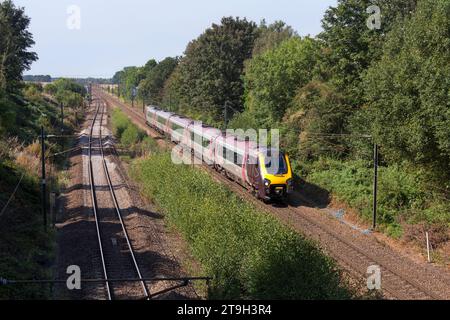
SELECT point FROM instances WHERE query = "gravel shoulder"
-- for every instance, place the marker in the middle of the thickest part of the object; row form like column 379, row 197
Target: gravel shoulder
column 158, row 252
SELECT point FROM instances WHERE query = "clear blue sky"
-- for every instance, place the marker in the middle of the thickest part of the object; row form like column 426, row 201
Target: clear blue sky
column 118, row 33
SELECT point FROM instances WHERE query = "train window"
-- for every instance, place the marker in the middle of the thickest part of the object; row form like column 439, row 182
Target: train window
column 238, row 159
column 227, row 154
column 177, row 127
column 205, row 143
column 161, row 120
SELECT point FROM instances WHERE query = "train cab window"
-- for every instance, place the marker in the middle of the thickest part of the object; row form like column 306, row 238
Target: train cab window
column 275, row 164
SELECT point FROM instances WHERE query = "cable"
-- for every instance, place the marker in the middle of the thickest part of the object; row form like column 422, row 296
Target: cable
column 12, row 195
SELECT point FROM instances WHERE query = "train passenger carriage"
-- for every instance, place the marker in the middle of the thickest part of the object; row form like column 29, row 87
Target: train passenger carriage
column 177, row 128
column 266, row 172
column 202, row 140
column 150, row 116
column 161, row 122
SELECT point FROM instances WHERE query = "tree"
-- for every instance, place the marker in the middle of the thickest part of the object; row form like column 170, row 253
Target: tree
column 210, row 73
column 271, row 36
column 151, row 88
column 128, row 79
column 408, row 92
column 316, row 110
column 273, row 78
column 350, row 47
column 15, row 40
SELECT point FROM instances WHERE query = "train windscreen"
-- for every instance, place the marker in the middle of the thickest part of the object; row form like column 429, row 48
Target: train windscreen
column 276, row 163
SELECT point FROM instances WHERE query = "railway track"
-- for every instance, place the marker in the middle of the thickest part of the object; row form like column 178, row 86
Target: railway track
column 117, row 256
column 401, row 277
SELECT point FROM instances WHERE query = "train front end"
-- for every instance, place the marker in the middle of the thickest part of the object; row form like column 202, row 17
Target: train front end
column 276, row 174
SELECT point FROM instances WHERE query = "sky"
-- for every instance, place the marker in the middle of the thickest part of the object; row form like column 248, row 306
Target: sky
column 112, row 34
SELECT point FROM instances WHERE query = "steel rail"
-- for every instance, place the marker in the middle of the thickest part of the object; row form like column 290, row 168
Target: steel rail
column 368, row 256
column 345, row 242
column 95, row 207
column 118, row 211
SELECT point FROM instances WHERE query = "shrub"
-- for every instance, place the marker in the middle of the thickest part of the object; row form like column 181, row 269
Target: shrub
column 120, row 122
column 403, row 195
column 249, row 254
column 132, row 135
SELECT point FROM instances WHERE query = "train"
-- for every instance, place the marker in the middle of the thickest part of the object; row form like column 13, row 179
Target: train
column 265, row 171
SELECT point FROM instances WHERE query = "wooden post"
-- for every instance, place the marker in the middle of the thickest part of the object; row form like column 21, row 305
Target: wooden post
column 43, row 182
column 428, row 247
column 375, row 185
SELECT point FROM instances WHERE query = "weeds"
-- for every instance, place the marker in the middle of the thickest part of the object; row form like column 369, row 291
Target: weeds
column 250, row 255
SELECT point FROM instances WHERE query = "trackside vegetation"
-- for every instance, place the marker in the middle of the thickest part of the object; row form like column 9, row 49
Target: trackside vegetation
column 334, row 96
column 130, row 136
column 26, row 249
column 250, row 254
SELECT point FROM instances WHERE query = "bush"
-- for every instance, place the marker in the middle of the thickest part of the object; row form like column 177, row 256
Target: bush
column 403, row 195
column 132, row 135
column 250, row 255
column 120, row 122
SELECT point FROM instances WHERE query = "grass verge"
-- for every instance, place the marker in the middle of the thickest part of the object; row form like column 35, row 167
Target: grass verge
column 250, row 255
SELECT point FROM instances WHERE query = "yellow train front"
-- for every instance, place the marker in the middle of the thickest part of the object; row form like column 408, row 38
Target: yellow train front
column 271, row 176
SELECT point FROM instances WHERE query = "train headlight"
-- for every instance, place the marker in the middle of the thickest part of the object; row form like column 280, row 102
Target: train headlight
column 267, row 182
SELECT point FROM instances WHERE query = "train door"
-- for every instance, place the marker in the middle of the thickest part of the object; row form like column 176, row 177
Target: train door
column 254, row 175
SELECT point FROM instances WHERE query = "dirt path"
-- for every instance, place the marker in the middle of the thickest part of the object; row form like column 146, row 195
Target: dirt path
column 403, row 275
column 77, row 238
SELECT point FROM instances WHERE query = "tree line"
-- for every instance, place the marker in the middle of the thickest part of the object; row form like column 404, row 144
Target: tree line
column 333, row 95
column 391, row 83
column 23, row 107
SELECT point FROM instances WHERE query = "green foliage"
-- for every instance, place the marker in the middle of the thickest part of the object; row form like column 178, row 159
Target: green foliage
column 120, row 122
column 7, row 114
column 26, row 250
column 243, row 120
column 317, row 110
column 131, row 135
column 128, row 79
column 271, row 36
column 15, row 40
column 350, row 46
column 272, row 79
column 151, row 87
column 408, row 89
column 67, row 92
column 404, row 194
column 69, row 85
column 210, row 72
column 249, row 254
